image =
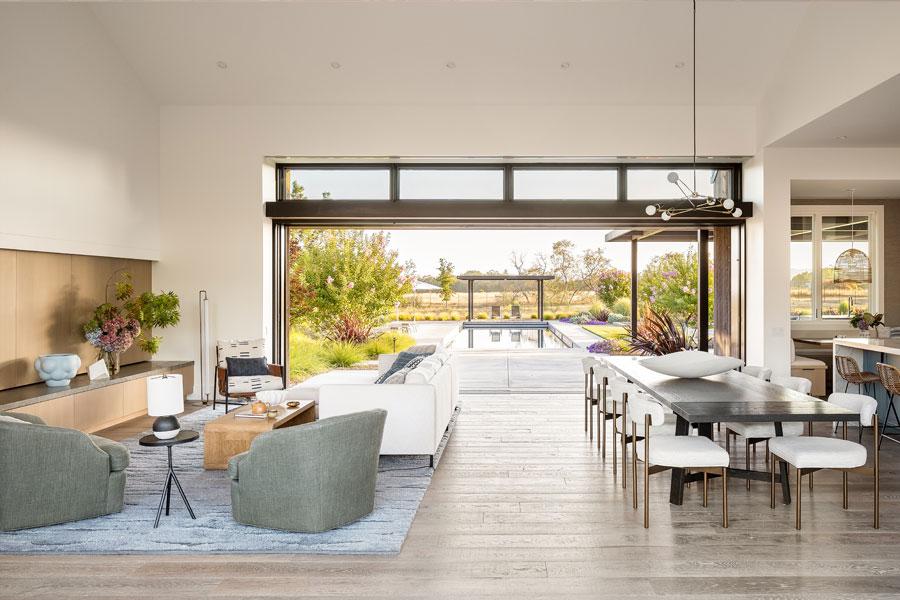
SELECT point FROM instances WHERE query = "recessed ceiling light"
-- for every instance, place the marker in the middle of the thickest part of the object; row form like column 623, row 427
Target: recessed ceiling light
column 679, row 64
column 222, row 64
column 451, row 65
column 841, row 137
column 564, row 65
column 335, row 65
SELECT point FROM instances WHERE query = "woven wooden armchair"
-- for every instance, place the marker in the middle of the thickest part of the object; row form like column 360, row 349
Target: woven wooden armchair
column 849, row 370
column 890, row 379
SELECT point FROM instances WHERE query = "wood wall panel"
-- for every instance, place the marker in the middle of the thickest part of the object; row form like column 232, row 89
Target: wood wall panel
column 8, row 359
column 47, row 297
column 44, row 297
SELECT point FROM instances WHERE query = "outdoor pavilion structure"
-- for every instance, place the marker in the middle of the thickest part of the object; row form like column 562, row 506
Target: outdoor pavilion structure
column 471, row 279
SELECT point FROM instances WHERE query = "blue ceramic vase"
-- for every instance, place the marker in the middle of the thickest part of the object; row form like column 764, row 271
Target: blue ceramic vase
column 57, row 370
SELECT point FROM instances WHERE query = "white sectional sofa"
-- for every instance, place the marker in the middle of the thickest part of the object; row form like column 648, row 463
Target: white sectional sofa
column 419, row 410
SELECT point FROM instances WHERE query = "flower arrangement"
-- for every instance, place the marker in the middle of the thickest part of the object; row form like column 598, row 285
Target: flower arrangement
column 116, row 326
column 864, row 320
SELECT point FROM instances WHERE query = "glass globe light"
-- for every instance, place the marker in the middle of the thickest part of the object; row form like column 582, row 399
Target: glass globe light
column 650, row 210
column 665, row 216
column 728, row 204
column 737, row 213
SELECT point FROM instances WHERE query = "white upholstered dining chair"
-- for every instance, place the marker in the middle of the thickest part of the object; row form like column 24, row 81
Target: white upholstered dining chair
column 753, row 433
column 758, row 372
column 697, row 453
column 809, row 454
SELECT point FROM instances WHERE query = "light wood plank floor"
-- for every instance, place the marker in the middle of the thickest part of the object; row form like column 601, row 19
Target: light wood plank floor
column 521, row 506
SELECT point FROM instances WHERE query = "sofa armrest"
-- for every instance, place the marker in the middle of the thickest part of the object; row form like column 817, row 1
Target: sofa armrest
column 119, row 457
column 33, row 419
column 234, row 464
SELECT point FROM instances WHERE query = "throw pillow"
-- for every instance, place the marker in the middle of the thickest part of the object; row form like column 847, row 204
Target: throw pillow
column 691, row 363
column 401, row 361
column 6, row 419
column 400, row 375
column 247, row 367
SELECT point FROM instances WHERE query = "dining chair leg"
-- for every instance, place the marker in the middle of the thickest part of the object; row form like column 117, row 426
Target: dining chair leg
column 705, row 489
column 615, row 440
column 647, row 472
column 634, row 492
column 624, row 441
column 846, row 504
column 727, row 440
column 877, row 473
column 585, row 402
column 725, row 497
column 590, row 406
column 772, row 473
column 747, row 460
column 799, row 488
column 601, row 408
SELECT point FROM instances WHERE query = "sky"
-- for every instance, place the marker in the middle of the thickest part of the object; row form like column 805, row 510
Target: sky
column 483, row 250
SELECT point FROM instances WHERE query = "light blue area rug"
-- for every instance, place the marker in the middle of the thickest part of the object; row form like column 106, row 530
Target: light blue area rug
column 400, row 486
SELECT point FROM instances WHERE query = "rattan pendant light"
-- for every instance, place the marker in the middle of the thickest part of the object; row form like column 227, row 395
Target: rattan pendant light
column 852, row 265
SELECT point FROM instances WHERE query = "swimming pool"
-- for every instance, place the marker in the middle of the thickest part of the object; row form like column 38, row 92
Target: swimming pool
column 505, row 338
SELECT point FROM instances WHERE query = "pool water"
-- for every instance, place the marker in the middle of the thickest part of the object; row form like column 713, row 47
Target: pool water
column 505, row 338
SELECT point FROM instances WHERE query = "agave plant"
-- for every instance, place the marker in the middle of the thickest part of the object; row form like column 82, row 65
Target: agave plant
column 657, row 334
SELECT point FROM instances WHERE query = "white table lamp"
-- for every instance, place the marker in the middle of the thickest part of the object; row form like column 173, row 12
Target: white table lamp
column 165, row 399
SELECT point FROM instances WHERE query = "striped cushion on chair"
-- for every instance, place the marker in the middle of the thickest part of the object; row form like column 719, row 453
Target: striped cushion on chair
column 244, row 385
column 239, row 349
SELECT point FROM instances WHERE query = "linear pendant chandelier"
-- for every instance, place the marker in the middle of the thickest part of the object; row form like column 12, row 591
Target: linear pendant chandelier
column 691, row 201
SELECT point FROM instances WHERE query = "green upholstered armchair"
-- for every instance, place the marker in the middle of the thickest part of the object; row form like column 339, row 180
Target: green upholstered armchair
column 53, row 475
column 309, row 478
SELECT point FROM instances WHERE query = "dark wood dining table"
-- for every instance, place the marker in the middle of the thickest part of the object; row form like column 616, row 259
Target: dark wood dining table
column 728, row 397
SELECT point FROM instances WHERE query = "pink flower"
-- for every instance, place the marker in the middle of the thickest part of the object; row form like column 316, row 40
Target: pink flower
column 329, row 280
column 350, row 285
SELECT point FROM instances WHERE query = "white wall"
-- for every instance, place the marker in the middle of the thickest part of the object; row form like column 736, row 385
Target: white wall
column 840, row 51
column 79, row 138
column 767, row 183
column 214, row 177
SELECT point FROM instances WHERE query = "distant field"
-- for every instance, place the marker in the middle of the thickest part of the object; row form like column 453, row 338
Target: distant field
column 608, row 332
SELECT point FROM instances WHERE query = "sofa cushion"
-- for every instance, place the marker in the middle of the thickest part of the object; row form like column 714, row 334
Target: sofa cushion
column 400, row 376
column 425, row 371
column 403, row 359
column 804, row 362
column 690, row 364
column 244, row 385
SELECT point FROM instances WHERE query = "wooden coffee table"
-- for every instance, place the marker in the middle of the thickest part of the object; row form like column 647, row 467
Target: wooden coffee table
column 230, row 434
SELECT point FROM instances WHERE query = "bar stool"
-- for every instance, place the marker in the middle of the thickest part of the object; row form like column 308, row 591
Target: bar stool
column 890, row 379
column 849, row 370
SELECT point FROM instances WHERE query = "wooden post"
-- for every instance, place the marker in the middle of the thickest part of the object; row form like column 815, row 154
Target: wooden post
column 634, row 284
column 471, row 293
column 703, row 289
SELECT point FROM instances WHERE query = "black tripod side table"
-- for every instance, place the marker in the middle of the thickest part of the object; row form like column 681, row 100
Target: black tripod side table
column 185, row 436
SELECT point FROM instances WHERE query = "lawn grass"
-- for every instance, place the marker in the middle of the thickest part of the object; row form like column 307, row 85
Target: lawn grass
column 609, row 332
column 311, row 356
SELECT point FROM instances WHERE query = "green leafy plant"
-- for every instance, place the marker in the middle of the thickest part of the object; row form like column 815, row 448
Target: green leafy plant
column 147, row 310
column 864, row 320
column 388, row 342
column 343, row 354
column 658, row 333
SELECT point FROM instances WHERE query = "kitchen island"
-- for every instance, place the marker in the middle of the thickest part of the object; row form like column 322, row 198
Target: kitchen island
column 868, row 352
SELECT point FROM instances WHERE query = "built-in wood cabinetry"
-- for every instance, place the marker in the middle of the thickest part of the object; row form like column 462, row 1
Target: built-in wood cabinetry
column 102, row 407
column 44, row 299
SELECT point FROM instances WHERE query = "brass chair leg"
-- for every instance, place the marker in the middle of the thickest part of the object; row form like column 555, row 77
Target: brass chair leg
column 772, row 473
column 601, row 393
column 799, row 489
column 634, row 493
column 846, row 503
column 615, row 440
column 727, row 440
column 624, row 441
column 747, row 461
column 646, row 471
column 590, row 406
column 585, row 402
column 877, row 470
column 725, row 497
column 705, row 489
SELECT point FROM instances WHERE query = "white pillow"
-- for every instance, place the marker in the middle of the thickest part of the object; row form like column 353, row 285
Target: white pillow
column 691, row 363
column 423, row 373
column 8, row 419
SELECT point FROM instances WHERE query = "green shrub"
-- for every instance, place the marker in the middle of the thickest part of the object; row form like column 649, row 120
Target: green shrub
column 385, row 344
column 444, row 316
column 481, row 315
column 419, row 317
column 532, row 316
column 455, row 316
column 622, row 306
column 596, row 308
column 429, row 317
column 505, row 315
column 306, row 357
column 405, row 317
column 549, row 316
column 343, row 354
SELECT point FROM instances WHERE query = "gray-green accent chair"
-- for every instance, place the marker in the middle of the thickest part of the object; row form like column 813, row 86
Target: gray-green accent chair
column 54, row 475
column 309, row 478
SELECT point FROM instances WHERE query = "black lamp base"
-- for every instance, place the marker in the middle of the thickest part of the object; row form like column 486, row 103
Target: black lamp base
column 165, row 428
